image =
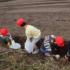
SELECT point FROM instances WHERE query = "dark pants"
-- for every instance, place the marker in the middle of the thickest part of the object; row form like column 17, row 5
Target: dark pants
column 58, row 50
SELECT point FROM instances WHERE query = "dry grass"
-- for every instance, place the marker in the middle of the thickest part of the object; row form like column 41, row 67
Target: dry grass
column 20, row 60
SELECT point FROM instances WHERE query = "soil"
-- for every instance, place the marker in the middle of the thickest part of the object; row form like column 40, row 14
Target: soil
column 50, row 16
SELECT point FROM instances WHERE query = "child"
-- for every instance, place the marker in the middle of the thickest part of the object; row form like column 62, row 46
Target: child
column 6, row 39
column 32, row 33
column 46, row 47
column 58, row 47
column 53, row 45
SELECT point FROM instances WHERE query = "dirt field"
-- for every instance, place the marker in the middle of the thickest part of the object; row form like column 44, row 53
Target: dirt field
column 51, row 16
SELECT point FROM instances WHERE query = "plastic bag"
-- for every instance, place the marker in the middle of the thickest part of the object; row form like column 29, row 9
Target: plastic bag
column 15, row 45
column 29, row 46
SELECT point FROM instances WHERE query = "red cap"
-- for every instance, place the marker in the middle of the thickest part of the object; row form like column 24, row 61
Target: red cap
column 59, row 41
column 4, row 31
column 20, row 21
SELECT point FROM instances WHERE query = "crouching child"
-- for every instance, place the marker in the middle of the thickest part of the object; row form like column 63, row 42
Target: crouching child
column 46, row 46
column 7, row 40
column 4, row 39
column 33, row 35
column 58, row 47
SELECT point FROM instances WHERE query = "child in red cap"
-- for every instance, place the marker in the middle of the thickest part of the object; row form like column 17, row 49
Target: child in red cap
column 6, row 38
column 58, row 46
column 32, row 33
